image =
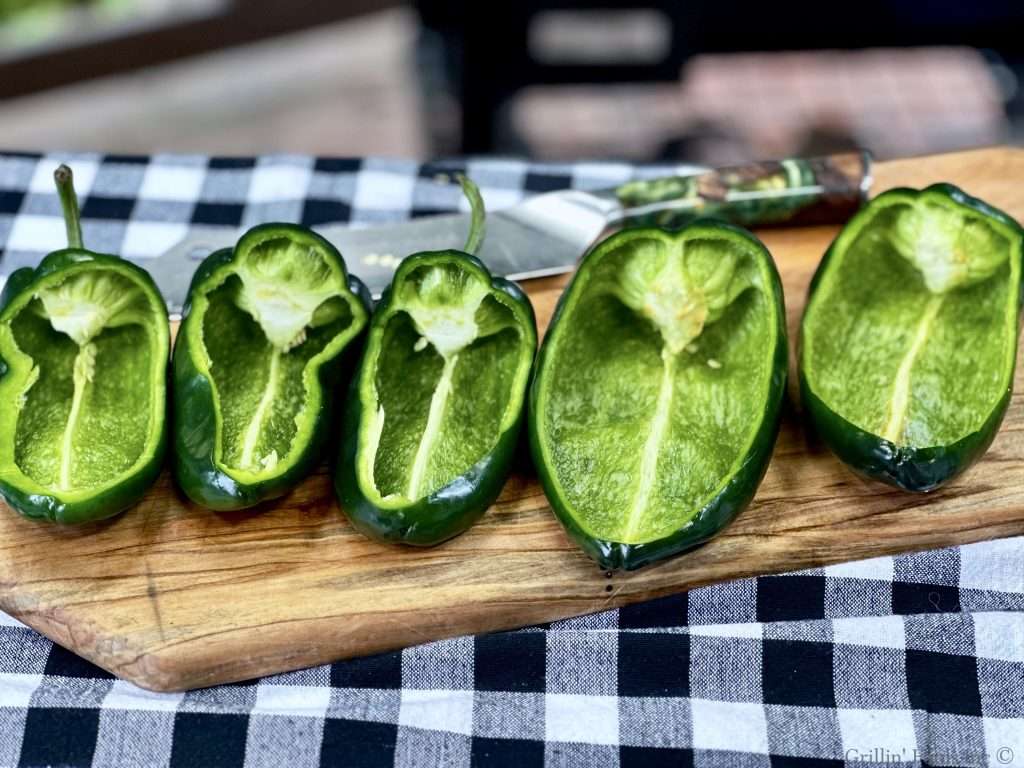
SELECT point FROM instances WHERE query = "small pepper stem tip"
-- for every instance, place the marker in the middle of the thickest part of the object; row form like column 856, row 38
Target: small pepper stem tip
column 65, row 181
column 63, row 175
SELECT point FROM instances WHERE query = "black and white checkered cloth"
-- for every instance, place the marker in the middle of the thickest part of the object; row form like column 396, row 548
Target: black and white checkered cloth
column 914, row 660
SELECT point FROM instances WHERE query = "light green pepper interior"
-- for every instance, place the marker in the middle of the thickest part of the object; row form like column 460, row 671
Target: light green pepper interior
column 449, row 365
column 911, row 332
column 85, row 408
column 656, row 380
column 266, row 322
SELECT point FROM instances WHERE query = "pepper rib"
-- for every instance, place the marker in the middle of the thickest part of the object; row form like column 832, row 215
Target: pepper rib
column 437, row 405
column 652, row 447
column 81, row 376
column 899, row 402
column 252, row 432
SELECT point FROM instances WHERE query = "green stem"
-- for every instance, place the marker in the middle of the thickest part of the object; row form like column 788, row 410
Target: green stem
column 476, row 205
column 69, row 205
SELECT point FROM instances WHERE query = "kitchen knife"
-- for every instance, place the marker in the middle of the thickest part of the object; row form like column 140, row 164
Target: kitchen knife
column 548, row 233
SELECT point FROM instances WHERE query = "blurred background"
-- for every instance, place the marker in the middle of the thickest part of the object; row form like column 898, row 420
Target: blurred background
column 703, row 81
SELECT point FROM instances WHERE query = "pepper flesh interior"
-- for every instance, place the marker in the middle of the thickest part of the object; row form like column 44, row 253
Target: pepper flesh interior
column 280, row 307
column 658, row 382
column 85, row 413
column 908, row 333
column 445, row 372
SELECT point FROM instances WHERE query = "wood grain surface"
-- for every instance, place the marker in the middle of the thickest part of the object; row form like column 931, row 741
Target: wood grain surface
column 171, row 596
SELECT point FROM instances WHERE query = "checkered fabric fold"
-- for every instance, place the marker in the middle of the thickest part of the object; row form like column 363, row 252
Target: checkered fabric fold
column 914, row 660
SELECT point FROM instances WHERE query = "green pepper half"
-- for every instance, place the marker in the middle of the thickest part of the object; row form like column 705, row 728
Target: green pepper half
column 84, row 345
column 909, row 338
column 657, row 394
column 434, row 415
column 257, row 361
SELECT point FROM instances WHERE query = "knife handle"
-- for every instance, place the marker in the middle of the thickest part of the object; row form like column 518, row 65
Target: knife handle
column 818, row 190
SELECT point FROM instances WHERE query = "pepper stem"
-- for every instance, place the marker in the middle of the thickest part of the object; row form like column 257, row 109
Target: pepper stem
column 69, row 205
column 476, row 205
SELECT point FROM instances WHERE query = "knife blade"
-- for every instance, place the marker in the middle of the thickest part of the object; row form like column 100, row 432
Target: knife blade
column 547, row 234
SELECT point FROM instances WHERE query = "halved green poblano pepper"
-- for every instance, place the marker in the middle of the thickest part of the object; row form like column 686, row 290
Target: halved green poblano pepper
column 909, row 337
column 265, row 337
column 656, row 399
column 434, row 416
column 84, row 345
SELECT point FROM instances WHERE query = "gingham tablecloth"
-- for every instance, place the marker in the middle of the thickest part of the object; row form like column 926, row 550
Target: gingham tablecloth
column 912, row 660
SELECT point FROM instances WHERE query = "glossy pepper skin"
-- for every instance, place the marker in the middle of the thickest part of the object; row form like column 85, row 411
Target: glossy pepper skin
column 448, row 510
column 196, row 433
column 910, row 468
column 739, row 488
column 126, row 487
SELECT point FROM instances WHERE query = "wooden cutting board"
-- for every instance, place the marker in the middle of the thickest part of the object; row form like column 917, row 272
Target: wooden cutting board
column 171, row 596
